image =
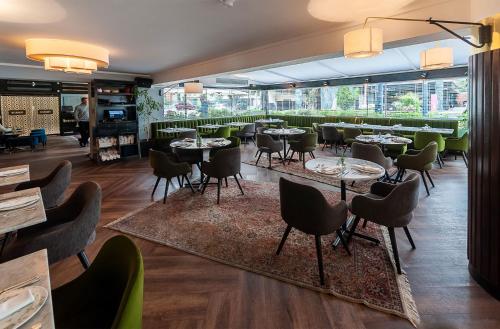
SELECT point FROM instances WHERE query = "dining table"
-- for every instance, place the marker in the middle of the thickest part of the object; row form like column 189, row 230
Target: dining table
column 18, row 210
column 270, row 121
column 32, row 268
column 284, row 134
column 383, row 139
column 176, row 130
column 211, row 126
column 14, row 175
column 393, row 128
column 346, row 170
column 237, row 124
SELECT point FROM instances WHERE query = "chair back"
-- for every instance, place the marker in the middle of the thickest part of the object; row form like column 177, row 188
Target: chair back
column 330, row 133
column 222, row 132
column 428, row 154
column 402, row 201
column 264, row 140
column 368, row 152
column 164, row 166
column 248, row 129
column 309, row 140
column 423, row 138
column 351, row 133
column 306, row 209
column 119, row 271
column 226, row 162
column 187, row 134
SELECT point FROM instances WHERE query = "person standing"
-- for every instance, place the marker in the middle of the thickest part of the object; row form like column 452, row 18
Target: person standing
column 82, row 120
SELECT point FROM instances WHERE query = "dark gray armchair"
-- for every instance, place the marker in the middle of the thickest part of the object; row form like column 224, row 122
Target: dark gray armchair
column 305, row 208
column 331, row 136
column 164, row 166
column 69, row 228
column 420, row 160
column 52, row 186
column 389, row 205
column 187, row 134
column 373, row 153
column 266, row 144
column 246, row 132
column 225, row 163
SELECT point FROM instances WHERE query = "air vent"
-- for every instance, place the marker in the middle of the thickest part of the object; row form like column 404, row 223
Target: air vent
column 23, row 86
column 74, row 88
column 232, row 82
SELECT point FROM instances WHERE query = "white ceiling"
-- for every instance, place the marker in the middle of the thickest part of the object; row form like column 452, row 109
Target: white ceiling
column 149, row 35
column 391, row 60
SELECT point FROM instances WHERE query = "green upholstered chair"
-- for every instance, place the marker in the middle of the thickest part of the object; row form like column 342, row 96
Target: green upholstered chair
column 222, row 132
column 423, row 138
column 165, row 166
column 419, row 160
column 350, row 135
column 458, row 146
column 107, row 295
column 306, row 144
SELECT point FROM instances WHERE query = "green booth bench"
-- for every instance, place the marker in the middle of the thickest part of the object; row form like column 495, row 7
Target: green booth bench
column 162, row 140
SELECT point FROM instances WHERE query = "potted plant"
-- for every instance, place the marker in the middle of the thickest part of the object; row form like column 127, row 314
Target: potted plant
column 146, row 106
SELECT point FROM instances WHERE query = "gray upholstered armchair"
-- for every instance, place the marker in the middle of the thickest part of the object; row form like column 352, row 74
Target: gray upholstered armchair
column 266, row 144
column 52, row 186
column 373, row 153
column 305, row 208
column 331, row 136
column 420, row 160
column 389, row 205
column 246, row 132
column 69, row 228
column 165, row 167
column 187, row 134
column 225, row 163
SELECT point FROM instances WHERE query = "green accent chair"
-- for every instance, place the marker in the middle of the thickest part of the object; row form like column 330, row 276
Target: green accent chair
column 423, row 138
column 458, row 146
column 306, row 144
column 222, row 132
column 107, row 295
column 350, row 135
column 419, row 160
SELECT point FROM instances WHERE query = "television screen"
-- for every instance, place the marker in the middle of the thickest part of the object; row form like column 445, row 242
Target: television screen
column 113, row 115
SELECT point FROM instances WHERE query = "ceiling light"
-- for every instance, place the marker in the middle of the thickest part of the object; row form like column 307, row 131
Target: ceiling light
column 31, row 11
column 365, row 42
column 193, row 87
column 436, row 58
column 66, row 55
column 346, row 11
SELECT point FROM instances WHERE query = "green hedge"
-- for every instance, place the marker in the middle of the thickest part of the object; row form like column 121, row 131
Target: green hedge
column 307, row 121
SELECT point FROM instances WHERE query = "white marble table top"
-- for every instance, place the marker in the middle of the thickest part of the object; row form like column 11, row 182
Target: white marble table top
column 206, row 143
column 26, row 267
column 211, row 126
column 444, row 131
column 284, row 131
column 174, row 130
column 12, row 220
column 269, row 121
column 386, row 139
column 14, row 179
column 350, row 172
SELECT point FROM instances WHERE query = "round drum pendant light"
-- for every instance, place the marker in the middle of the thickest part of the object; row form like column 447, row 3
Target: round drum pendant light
column 67, row 56
column 193, row 87
column 361, row 43
column 436, row 58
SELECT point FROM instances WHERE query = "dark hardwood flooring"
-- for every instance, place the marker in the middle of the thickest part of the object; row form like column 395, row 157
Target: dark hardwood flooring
column 186, row 291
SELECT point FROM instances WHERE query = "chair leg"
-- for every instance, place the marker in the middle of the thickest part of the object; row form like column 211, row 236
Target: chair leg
column 304, row 160
column 219, row 183
column 353, row 229
column 464, row 156
column 166, row 191
column 179, row 181
column 253, row 140
column 256, row 153
column 430, row 179
column 82, row 256
column 269, row 157
column 207, row 180
column 291, row 157
column 241, row 176
column 156, row 185
column 438, row 158
column 238, row 182
column 319, row 254
column 343, row 241
column 394, row 248
column 365, row 222
column 260, row 154
column 425, row 182
column 225, row 180
column 189, row 182
column 323, row 148
column 283, row 239
column 408, row 235
column 312, row 155
column 281, row 158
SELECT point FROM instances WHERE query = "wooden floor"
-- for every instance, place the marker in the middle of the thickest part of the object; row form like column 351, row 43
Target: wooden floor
column 185, row 291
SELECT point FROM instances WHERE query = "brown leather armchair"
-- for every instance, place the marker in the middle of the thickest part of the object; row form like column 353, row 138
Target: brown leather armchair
column 165, row 167
column 52, row 186
column 225, row 163
column 305, row 208
column 390, row 205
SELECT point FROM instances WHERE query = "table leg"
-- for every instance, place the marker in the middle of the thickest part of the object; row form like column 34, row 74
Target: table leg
column 6, row 237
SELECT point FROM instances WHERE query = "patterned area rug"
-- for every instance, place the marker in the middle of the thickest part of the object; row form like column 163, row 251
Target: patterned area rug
column 295, row 168
column 244, row 231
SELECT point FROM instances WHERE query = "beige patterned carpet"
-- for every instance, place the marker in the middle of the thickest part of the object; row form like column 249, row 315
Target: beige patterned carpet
column 244, row 231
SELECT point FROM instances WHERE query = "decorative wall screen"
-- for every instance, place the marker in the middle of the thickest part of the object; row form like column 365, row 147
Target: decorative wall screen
column 31, row 112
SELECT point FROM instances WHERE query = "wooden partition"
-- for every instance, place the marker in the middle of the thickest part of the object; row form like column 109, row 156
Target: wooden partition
column 484, row 171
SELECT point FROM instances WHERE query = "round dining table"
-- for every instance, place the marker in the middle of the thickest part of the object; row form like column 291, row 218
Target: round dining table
column 346, row 170
column 175, row 130
column 206, row 143
column 269, row 121
column 386, row 139
column 284, row 133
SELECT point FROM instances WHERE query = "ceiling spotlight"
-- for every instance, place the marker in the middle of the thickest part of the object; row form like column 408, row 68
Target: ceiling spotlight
column 325, row 83
column 228, row 3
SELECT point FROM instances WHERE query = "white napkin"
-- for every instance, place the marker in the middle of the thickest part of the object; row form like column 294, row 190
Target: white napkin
column 15, row 303
column 19, row 202
column 13, row 172
column 368, row 169
column 328, row 170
